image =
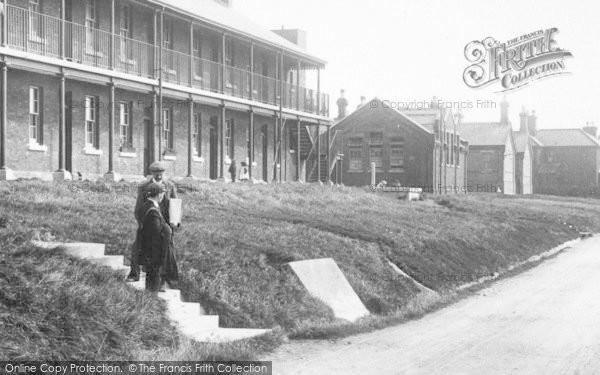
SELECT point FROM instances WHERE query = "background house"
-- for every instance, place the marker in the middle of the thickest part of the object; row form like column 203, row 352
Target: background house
column 492, row 153
column 421, row 149
column 567, row 162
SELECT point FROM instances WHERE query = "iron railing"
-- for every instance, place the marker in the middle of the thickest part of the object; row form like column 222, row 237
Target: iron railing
column 40, row 34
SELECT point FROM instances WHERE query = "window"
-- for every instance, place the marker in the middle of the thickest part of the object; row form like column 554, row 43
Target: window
column 167, row 130
column 293, row 139
column 35, row 123
column 376, row 138
column 550, row 156
column 91, row 24
column 397, row 154
column 458, row 151
column 488, row 161
column 35, row 19
column 167, row 33
column 229, row 138
column 376, row 156
column 91, row 123
column 355, row 153
column 125, row 128
column 197, row 44
column 197, row 134
column 229, row 62
column 125, row 32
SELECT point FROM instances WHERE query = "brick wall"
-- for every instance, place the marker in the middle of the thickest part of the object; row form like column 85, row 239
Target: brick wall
column 18, row 155
column 480, row 179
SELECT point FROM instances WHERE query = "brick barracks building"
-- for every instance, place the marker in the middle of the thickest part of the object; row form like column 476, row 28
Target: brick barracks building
column 413, row 148
column 102, row 88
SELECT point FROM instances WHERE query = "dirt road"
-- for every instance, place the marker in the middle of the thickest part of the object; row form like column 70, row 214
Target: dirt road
column 543, row 321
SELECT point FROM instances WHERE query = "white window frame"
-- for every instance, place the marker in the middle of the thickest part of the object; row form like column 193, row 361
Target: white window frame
column 91, row 25
column 167, row 130
column 91, row 123
column 197, row 134
column 34, row 115
column 397, row 164
column 125, row 124
column 228, row 139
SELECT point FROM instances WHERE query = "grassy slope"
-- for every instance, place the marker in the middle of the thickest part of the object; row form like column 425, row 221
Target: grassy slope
column 237, row 239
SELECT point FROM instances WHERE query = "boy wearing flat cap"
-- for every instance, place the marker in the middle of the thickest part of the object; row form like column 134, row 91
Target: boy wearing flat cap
column 156, row 234
column 158, row 170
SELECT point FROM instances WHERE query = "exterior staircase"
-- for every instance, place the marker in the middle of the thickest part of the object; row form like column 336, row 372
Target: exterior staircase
column 189, row 317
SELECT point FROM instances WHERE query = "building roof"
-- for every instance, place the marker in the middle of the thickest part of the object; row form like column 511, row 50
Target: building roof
column 566, row 138
column 209, row 11
column 521, row 141
column 370, row 107
column 485, row 133
column 427, row 117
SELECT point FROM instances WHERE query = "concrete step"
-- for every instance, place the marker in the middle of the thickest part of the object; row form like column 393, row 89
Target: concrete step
column 79, row 250
column 112, row 261
column 221, row 335
column 194, row 326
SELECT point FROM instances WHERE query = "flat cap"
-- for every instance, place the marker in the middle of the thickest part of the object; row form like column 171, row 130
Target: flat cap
column 158, row 166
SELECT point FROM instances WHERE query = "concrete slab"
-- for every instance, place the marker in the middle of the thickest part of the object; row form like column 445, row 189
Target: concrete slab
column 324, row 280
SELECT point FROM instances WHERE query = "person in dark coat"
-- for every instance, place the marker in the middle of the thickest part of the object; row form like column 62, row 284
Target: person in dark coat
column 158, row 170
column 233, row 170
column 156, row 242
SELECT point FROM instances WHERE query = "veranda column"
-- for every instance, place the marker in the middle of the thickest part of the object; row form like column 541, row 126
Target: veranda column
column 222, row 143
column 318, row 152
column 190, row 137
column 111, row 55
column 110, row 175
column 5, row 173
column 251, row 150
column 298, row 159
column 329, row 154
column 61, row 174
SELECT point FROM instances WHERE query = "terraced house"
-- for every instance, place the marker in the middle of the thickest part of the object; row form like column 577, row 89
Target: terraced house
column 102, row 88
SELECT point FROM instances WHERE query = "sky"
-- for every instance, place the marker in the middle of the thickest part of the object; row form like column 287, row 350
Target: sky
column 404, row 51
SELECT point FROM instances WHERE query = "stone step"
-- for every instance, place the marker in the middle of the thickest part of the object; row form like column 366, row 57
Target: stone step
column 194, row 326
column 190, row 318
column 75, row 249
column 222, row 335
column 112, row 261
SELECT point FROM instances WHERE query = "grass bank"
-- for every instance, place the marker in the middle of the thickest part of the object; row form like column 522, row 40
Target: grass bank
column 237, row 239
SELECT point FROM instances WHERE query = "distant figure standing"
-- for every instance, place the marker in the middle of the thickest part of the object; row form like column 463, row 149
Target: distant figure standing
column 233, row 170
column 156, row 235
column 244, row 172
column 157, row 169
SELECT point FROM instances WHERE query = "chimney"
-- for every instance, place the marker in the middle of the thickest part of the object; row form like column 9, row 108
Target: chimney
column 363, row 101
column 523, row 124
column 532, row 124
column 434, row 102
column 342, row 104
column 591, row 129
column 296, row 36
column 504, row 111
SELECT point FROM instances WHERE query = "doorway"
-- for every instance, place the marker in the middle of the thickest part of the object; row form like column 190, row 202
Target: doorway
column 69, row 131
column 214, row 148
column 264, row 138
column 148, row 145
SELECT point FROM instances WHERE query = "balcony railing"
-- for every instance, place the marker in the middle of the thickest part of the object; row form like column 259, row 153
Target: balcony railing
column 41, row 35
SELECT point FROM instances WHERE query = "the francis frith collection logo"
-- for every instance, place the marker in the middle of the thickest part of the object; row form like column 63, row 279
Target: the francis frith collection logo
column 515, row 63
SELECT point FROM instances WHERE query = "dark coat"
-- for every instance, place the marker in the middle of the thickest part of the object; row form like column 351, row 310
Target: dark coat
column 164, row 205
column 155, row 237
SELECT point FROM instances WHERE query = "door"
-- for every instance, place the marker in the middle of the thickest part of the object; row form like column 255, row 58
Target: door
column 265, row 83
column 264, row 138
column 69, row 131
column 214, row 148
column 148, row 145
